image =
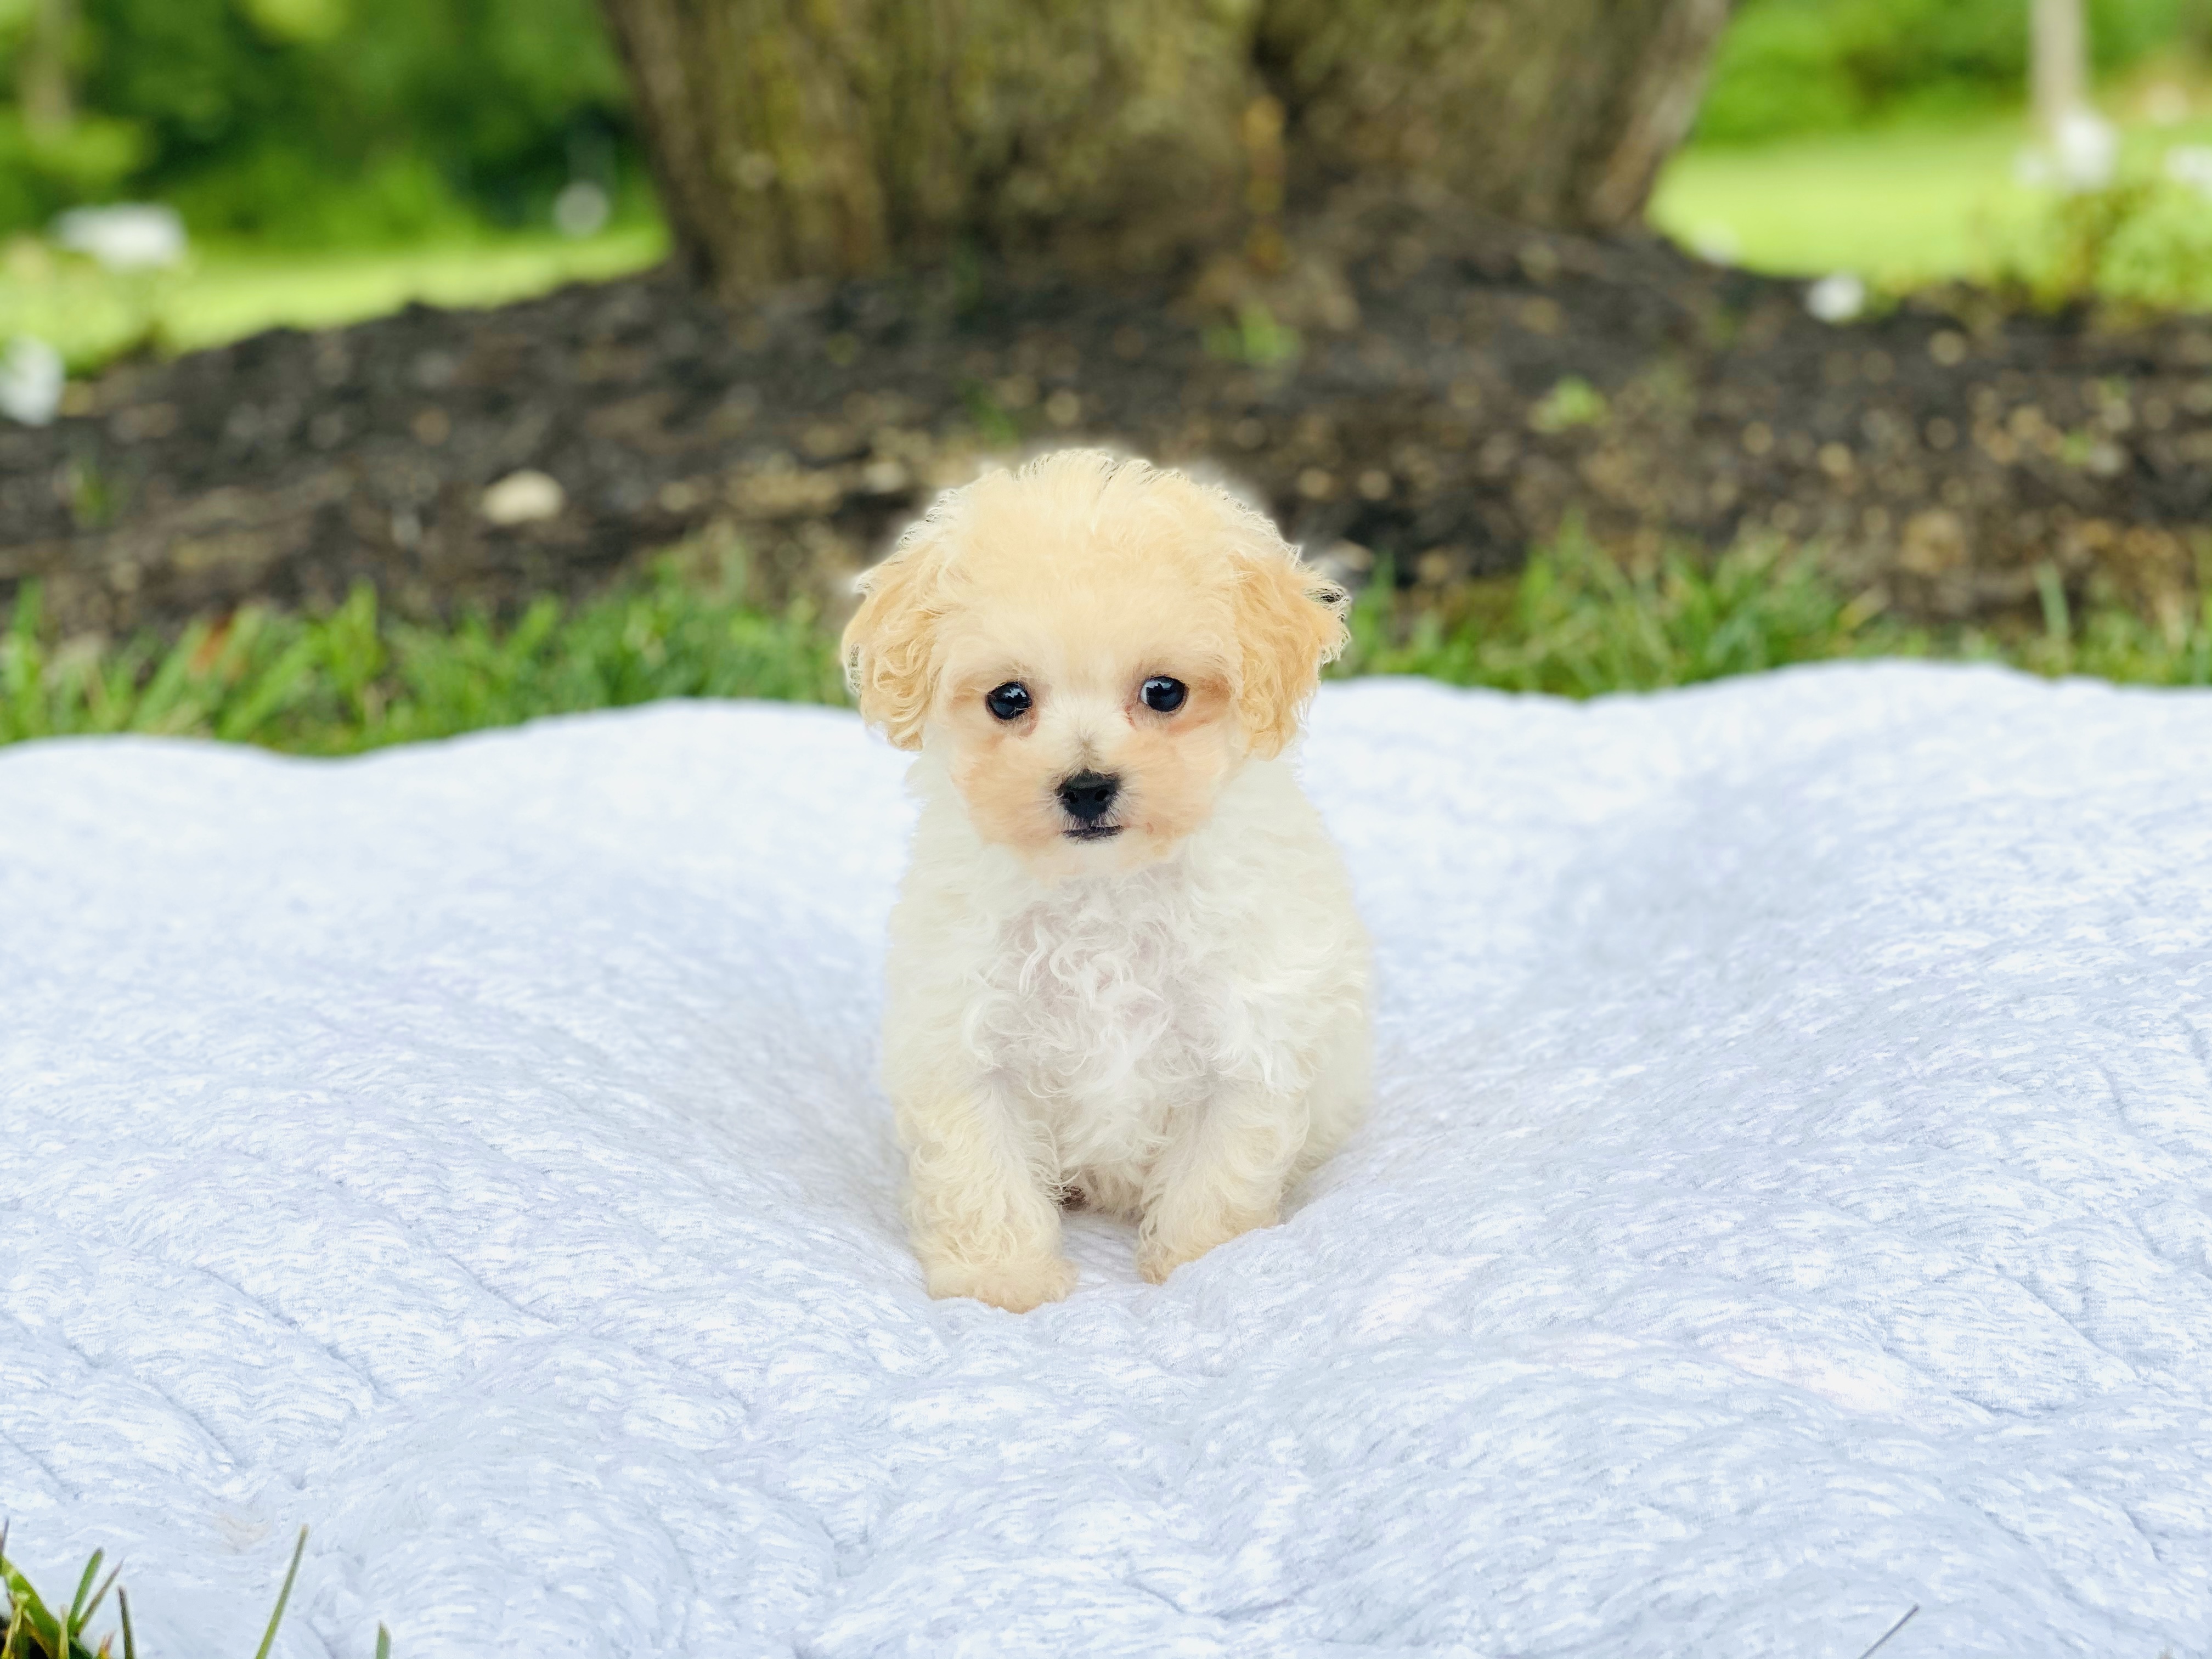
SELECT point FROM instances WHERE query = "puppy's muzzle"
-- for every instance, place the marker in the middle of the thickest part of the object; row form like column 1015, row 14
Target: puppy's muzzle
column 1088, row 797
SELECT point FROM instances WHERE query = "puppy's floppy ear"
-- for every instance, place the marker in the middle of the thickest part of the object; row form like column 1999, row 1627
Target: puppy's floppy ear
column 1290, row 620
column 890, row 644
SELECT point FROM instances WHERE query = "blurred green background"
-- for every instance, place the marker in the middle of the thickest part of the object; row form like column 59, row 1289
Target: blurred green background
column 1886, row 136
column 335, row 158
column 320, row 123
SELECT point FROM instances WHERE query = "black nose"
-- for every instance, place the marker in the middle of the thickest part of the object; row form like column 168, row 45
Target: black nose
column 1087, row 795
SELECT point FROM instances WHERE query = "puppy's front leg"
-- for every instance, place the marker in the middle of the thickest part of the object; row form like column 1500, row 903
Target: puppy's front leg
column 983, row 1224
column 1224, row 1176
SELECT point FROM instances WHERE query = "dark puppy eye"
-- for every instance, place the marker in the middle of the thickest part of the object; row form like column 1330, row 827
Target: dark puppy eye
column 1009, row 702
column 1163, row 696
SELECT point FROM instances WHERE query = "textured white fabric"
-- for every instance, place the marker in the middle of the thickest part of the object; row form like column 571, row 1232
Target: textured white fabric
column 1788, row 1200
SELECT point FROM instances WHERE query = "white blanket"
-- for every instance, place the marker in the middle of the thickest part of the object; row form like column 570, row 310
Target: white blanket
column 1788, row 1202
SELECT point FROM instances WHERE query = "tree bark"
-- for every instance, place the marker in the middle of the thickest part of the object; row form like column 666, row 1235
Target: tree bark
column 2058, row 63
column 42, row 73
column 1558, row 113
column 796, row 138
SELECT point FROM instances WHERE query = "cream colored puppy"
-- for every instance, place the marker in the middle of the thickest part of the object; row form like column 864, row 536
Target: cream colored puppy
column 1125, row 965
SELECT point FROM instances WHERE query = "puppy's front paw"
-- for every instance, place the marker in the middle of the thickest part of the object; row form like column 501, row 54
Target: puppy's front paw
column 1156, row 1260
column 1162, row 1247
column 1017, row 1286
column 1158, row 1256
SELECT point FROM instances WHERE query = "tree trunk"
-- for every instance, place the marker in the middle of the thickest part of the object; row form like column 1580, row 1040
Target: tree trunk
column 1553, row 112
column 2058, row 63
column 795, row 138
column 43, row 82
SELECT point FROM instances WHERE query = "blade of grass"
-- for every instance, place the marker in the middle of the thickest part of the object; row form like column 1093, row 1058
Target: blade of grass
column 277, row 1618
column 234, row 643
column 83, row 1590
column 43, row 1626
column 168, row 689
column 2057, row 623
column 383, row 1643
column 100, row 1595
column 130, row 1636
column 23, row 664
column 283, row 681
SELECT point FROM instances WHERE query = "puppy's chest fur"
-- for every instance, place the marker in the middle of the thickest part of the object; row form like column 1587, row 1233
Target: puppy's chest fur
column 1101, row 1012
column 1098, row 1018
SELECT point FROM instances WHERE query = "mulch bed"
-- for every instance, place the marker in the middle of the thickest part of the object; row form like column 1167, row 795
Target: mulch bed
column 1454, row 393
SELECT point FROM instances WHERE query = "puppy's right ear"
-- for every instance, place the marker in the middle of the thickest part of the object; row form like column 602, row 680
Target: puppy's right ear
column 890, row 644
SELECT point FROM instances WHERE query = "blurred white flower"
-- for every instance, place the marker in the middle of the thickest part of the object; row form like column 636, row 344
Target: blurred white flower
column 2088, row 150
column 30, row 381
column 130, row 236
column 2190, row 165
column 581, row 209
column 2084, row 156
column 1836, row 298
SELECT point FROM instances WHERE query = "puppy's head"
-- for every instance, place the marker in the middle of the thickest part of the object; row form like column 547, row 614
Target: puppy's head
column 1092, row 646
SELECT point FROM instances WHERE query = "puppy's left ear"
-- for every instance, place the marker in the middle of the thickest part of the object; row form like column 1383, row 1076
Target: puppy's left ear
column 891, row 645
column 1290, row 622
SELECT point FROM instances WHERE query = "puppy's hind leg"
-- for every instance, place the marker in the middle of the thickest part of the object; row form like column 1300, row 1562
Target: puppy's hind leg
column 985, row 1224
column 1224, row 1176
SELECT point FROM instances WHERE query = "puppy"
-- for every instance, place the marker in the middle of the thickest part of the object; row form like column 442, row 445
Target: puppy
column 1125, row 968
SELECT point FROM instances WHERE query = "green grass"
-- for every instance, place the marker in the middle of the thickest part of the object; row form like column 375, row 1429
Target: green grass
column 354, row 679
column 229, row 291
column 1899, row 206
column 1577, row 623
column 1574, row 623
column 1902, row 207
column 32, row 1630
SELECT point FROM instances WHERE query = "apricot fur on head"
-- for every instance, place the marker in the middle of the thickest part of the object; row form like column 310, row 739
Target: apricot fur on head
column 1090, row 622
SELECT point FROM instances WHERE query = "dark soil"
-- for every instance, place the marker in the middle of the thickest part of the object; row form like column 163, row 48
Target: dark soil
column 1460, row 390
